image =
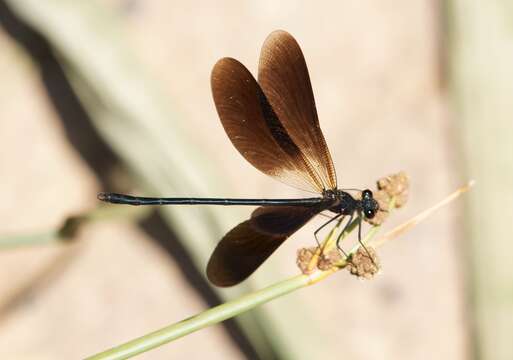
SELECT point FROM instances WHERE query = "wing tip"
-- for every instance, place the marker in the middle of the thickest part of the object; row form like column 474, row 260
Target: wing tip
column 279, row 33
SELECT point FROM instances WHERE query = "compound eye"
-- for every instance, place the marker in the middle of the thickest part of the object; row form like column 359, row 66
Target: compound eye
column 366, row 194
column 369, row 213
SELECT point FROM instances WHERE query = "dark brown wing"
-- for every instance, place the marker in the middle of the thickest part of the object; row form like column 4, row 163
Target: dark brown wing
column 255, row 130
column 249, row 244
column 283, row 76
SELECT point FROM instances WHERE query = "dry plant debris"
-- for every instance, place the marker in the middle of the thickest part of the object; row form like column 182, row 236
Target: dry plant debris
column 304, row 258
column 362, row 265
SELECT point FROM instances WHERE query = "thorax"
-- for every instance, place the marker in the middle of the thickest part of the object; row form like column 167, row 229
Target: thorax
column 343, row 202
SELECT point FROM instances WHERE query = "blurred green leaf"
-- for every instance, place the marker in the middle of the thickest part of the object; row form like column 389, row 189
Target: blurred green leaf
column 480, row 54
column 130, row 112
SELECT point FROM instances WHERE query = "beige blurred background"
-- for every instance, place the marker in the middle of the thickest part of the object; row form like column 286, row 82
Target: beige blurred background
column 115, row 95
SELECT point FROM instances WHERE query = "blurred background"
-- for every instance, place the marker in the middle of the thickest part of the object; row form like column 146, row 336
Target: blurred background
column 114, row 95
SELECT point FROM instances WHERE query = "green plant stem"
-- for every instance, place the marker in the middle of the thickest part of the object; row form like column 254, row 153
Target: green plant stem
column 68, row 229
column 40, row 238
column 206, row 318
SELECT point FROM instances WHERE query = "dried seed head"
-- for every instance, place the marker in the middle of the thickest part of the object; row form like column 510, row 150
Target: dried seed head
column 329, row 260
column 304, row 256
column 362, row 265
column 397, row 186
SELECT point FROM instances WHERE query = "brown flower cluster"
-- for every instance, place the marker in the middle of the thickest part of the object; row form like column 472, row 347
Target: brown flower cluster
column 326, row 260
column 304, row 257
column 364, row 263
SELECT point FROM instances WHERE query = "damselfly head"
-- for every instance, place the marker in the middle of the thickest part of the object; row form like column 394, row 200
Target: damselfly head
column 368, row 204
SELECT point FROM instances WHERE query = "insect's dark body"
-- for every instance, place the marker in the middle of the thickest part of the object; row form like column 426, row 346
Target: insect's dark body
column 337, row 201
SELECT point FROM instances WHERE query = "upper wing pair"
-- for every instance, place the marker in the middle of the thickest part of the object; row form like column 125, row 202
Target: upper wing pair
column 274, row 123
